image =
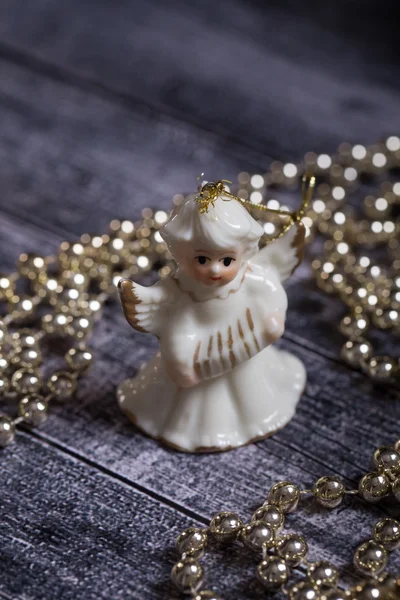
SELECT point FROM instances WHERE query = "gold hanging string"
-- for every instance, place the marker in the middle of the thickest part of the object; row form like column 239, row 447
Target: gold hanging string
column 210, row 192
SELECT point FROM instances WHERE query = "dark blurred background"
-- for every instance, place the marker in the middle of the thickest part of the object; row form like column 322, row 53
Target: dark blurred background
column 161, row 90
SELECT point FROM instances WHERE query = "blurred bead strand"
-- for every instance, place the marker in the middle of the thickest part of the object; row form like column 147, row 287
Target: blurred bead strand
column 62, row 298
column 282, row 555
column 370, row 291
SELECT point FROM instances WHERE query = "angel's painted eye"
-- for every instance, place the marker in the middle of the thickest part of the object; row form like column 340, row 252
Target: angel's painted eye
column 227, row 261
column 202, row 259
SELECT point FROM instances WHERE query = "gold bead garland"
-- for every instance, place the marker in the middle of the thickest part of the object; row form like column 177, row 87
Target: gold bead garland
column 64, row 294
column 369, row 290
column 281, row 553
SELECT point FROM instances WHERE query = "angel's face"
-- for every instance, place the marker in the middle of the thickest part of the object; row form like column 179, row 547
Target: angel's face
column 212, row 267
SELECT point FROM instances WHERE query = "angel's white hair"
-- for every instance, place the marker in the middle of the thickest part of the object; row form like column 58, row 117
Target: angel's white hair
column 223, row 227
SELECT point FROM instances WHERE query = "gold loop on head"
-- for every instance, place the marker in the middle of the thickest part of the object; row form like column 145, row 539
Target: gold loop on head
column 209, row 193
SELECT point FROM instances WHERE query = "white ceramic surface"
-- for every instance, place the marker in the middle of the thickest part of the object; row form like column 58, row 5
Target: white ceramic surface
column 216, row 382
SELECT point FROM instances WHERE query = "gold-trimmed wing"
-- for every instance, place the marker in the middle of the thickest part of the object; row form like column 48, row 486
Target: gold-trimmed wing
column 142, row 306
column 285, row 253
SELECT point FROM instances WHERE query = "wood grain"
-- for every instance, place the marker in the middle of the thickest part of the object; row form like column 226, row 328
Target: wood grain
column 109, row 107
column 338, row 424
column 69, row 531
column 271, row 79
column 71, row 161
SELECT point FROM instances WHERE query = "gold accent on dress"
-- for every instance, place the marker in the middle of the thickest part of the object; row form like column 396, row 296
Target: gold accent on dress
column 251, row 325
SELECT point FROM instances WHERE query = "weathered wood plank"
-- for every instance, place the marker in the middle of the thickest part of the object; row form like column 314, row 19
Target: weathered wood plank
column 298, row 80
column 340, row 420
column 71, row 162
column 68, row 531
column 72, row 156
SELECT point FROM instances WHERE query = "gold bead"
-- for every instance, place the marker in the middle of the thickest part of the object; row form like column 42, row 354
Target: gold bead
column 329, row 491
column 356, row 352
column 392, row 143
column 376, row 208
column 386, row 319
column 22, row 308
column 94, row 307
column 293, row 548
column 192, row 542
column 304, row 590
column 62, row 385
column 339, row 282
column 4, row 384
column 79, row 359
column 67, row 300
column 187, row 575
column 396, row 489
column 370, row 559
column 26, row 381
column 25, row 337
column 7, row 430
column 387, row 533
column 243, row 178
column 324, row 281
column 285, row 495
column 165, row 271
column 124, row 230
column 273, row 572
column 257, row 535
column 323, row 574
column 5, row 362
column 386, row 460
column 382, row 368
column 7, row 287
column 354, row 326
column 3, row 333
column 226, row 525
column 374, row 486
column 80, row 327
column 33, row 409
column 47, row 288
column 27, row 357
column 370, row 591
column 271, row 515
column 144, row 263
column 31, row 265
column 57, row 324
column 78, row 281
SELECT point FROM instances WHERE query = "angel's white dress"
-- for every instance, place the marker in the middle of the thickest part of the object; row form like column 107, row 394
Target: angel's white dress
column 248, row 388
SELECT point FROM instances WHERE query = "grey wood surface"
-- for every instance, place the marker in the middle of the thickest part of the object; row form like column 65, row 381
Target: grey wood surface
column 107, row 107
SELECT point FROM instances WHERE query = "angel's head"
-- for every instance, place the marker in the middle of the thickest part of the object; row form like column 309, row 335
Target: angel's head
column 212, row 246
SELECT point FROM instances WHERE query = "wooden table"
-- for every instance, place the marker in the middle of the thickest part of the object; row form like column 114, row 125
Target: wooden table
column 107, row 107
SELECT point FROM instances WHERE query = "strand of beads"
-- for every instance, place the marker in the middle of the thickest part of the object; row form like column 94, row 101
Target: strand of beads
column 370, row 560
column 63, row 296
column 370, row 291
column 281, row 552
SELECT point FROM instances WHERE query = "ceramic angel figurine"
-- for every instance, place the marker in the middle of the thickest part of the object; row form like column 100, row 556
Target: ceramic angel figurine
column 216, row 382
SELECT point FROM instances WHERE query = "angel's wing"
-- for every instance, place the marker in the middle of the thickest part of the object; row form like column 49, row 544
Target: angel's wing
column 285, row 254
column 142, row 305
